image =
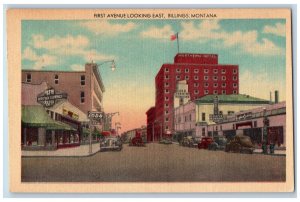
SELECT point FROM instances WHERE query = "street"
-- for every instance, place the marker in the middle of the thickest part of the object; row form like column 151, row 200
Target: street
column 157, row 163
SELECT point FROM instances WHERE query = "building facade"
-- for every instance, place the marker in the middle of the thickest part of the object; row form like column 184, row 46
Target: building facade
column 195, row 117
column 203, row 75
column 150, row 124
column 84, row 88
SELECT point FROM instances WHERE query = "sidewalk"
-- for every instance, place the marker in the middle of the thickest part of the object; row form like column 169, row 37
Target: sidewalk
column 80, row 151
column 276, row 152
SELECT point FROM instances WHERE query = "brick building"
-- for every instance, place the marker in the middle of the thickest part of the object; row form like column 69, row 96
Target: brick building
column 204, row 76
column 84, row 88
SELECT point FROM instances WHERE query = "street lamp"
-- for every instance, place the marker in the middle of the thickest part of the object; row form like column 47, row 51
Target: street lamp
column 113, row 67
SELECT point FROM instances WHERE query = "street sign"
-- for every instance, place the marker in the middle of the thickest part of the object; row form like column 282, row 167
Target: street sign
column 48, row 98
column 95, row 117
column 216, row 117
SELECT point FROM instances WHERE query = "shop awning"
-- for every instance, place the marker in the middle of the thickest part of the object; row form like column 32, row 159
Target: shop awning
column 60, row 126
column 36, row 116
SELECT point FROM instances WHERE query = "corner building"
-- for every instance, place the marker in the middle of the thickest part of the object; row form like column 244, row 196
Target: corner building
column 204, row 76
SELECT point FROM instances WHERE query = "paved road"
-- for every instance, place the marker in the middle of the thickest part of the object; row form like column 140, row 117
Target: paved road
column 157, row 163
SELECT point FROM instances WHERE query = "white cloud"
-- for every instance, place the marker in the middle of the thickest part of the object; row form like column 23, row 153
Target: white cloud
column 39, row 61
column 157, row 32
column 251, row 82
column 104, row 27
column 77, row 67
column 57, row 42
column 66, row 46
column 278, row 29
column 247, row 41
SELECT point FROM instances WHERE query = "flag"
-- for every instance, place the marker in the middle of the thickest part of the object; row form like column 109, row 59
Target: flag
column 174, row 36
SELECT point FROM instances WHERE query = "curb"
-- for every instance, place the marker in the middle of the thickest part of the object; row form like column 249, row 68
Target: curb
column 89, row 155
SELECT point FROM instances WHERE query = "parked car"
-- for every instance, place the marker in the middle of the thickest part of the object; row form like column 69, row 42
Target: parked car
column 111, row 143
column 188, row 141
column 219, row 143
column 165, row 141
column 240, row 144
column 137, row 141
column 205, row 142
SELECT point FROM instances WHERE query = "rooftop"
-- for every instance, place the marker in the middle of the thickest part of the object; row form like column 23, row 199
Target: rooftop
column 234, row 98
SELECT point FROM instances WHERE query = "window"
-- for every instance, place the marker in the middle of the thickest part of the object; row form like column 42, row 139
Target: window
column 223, row 78
column 234, row 71
column 223, row 71
column 216, row 128
column 203, row 116
column 186, row 77
column 166, row 84
column 196, row 77
column 196, row 84
column 206, row 92
column 190, row 117
column 167, row 112
column 255, row 124
column 230, row 112
column 205, row 78
column 215, row 92
column 186, row 70
column 206, row 84
column 215, row 78
column 178, row 70
column 56, row 79
column 167, row 119
column 215, row 85
column 233, row 126
column 234, row 92
column 167, row 105
column 234, row 78
column 82, row 80
column 166, row 98
column 205, row 71
column 196, row 91
column 166, row 69
column 223, row 92
column 234, row 85
column 196, row 71
column 203, row 131
column 167, row 127
column 166, row 90
column 28, row 78
column 223, row 85
column 82, row 97
column 167, row 76
column 220, row 127
column 215, row 71
column 178, row 77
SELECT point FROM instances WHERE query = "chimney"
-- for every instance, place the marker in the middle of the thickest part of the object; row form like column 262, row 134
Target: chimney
column 276, row 96
column 270, row 102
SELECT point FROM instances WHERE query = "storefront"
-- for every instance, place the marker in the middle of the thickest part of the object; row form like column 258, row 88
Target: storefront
column 39, row 131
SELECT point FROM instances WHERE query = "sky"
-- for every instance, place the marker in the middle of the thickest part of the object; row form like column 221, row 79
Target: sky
column 140, row 47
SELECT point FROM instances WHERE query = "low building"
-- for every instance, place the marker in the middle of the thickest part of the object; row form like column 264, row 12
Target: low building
column 193, row 118
column 251, row 123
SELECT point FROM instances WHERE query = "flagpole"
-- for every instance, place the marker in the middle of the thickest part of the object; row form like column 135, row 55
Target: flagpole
column 177, row 42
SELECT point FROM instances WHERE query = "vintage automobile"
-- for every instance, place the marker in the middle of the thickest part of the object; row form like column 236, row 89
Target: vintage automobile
column 219, row 143
column 240, row 144
column 165, row 141
column 205, row 142
column 188, row 141
column 111, row 143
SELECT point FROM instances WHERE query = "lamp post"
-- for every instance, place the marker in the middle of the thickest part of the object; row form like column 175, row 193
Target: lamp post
column 113, row 67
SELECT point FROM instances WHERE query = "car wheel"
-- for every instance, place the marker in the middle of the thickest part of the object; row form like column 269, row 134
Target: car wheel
column 236, row 148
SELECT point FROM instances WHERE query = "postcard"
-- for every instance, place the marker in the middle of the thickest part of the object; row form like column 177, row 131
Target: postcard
column 150, row 100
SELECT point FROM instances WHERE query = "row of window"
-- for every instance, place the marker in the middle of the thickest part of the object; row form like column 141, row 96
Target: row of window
column 207, row 84
column 56, row 79
column 206, row 71
column 206, row 92
column 178, row 77
column 215, row 85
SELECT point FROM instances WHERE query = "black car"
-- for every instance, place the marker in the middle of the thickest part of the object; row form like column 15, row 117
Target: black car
column 219, row 143
column 111, row 143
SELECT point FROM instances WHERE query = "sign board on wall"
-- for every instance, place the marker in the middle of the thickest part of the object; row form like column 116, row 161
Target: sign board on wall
column 48, row 98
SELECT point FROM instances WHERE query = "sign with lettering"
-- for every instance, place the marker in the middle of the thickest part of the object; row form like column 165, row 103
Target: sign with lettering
column 216, row 117
column 48, row 98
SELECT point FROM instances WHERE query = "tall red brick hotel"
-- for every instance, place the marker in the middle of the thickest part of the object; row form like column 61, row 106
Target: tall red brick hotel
column 204, row 76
